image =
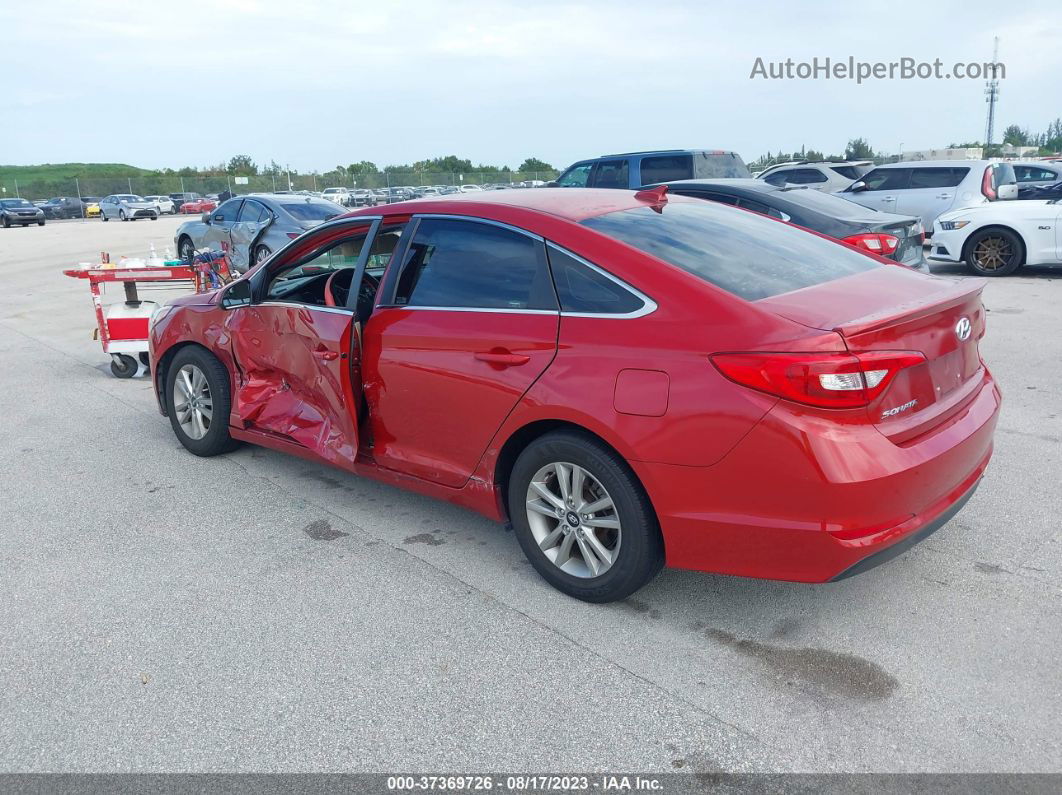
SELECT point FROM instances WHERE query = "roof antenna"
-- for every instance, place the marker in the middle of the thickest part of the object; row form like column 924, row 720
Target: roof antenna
column 654, row 197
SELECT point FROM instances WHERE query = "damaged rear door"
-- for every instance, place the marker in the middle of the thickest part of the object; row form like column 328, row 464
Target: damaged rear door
column 298, row 352
column 246, row 232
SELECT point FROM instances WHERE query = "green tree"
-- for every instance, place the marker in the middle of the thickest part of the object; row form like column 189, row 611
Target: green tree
column 534, row 164
column 361, row 168
column 858, row 149
column 1016, row 136
column 242, row 165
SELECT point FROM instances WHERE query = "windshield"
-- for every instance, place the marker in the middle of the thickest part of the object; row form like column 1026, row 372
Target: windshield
column 743, row 253
column 129, row 197
column 14, row 203
column 312, row 211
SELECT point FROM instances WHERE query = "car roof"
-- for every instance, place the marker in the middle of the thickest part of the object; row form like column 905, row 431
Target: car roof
column 669, row 152
column 572, row 204
column 934, row 163
column 753, row 184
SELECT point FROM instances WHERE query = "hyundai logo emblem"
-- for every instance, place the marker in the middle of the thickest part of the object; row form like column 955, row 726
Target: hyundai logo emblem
column 962, row 329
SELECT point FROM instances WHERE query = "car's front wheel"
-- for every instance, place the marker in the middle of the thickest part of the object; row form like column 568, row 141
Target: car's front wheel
column 186, row 249
column 582, row 518
column 121, row 215
column 994, row 252
column 261, row 254
column 198, row 401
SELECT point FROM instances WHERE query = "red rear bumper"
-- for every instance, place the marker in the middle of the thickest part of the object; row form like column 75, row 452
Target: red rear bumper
column 796, row 502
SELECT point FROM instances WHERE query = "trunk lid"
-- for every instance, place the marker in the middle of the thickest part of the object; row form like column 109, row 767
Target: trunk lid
column 910, row 235
column 892, row 309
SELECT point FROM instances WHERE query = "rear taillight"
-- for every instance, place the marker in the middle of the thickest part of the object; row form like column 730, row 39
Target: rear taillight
column 874, row 243
column 828, row 380
column 988, row 190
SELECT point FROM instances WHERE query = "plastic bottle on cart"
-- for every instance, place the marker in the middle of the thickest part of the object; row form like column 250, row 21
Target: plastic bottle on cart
column 153, row 260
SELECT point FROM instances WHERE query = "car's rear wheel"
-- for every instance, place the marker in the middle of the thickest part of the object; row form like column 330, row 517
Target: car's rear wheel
column 198, row 401
column 994, row 252
column 582, row 518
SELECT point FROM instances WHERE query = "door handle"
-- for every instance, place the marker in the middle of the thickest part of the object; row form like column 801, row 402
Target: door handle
column 504, row 359
column 944, row 196
column 328, row 356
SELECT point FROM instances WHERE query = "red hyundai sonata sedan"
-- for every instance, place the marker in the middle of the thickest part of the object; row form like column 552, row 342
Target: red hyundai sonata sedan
column 631, row 380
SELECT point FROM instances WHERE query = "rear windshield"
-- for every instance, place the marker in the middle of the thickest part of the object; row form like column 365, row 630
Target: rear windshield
column 851, row 172
column 743, row 253
column 825, row 203
column 312, row 211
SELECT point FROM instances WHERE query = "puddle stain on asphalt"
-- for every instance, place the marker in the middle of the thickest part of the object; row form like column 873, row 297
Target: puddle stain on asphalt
column 423, row 538
column 322, row 530
column 640, row 607
column 837, row 673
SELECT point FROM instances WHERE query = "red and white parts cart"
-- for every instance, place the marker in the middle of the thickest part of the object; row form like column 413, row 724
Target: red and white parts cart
column 123, row 326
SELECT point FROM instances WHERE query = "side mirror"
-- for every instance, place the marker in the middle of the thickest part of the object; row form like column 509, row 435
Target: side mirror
column 1005, row 192
column 206, row 218
column 237, row 294
column 857, row 186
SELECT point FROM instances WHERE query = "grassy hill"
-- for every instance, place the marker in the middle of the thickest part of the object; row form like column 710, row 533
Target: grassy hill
column 67, row 171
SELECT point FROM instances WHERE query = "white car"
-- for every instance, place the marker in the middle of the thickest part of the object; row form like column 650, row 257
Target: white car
column 164, row 204
column 826, row 176
column 928, row 188
column 337, row 195
column 998, row 238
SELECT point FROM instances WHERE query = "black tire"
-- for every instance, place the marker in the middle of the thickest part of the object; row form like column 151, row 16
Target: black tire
column 145, row 359
column 994, row 252
column 217, row 439
column 641, row 551
column 121, row 215
column 7, row 222
column 155, row 217
column 40, row 223
column 260, row 254
column 103, row 215
column 125, row 366
column 185, row 249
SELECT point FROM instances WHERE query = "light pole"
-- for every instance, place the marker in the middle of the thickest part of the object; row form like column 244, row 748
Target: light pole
column 899, row 154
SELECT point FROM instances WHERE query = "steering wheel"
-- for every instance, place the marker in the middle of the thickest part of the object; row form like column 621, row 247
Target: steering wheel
column 337, row 288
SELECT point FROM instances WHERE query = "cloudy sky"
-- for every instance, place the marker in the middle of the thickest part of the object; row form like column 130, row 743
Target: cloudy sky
column 315, row 84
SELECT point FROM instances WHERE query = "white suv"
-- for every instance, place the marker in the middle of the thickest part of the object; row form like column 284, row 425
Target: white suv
column 825, row 176
column 927, row 188
column 338, row 195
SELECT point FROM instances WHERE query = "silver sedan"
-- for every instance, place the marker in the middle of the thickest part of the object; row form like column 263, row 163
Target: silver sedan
column 127, row 207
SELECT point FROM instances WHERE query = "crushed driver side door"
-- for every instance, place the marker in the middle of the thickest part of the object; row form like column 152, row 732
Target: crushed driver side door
column 244, row 234
column 298, row 361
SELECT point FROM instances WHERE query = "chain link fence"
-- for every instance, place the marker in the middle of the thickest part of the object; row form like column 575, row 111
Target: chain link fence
column 87, row 189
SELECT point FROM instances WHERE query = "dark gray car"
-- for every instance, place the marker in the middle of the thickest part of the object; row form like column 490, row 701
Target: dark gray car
column 252, row 227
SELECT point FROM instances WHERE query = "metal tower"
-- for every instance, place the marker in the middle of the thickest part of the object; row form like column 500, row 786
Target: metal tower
column 991, row 97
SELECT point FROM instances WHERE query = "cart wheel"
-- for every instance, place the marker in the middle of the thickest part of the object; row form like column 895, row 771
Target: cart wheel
column 123, row 365
column 145, row 360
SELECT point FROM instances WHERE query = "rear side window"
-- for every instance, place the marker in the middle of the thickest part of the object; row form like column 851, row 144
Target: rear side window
column 610, row 174
column 584, row 290
column 1034, row 174
column 887, row 178
column 466, row 264
column 804, row 176
column 252, row 212
column 937, row 177
column 740, row 252
column 663, row 168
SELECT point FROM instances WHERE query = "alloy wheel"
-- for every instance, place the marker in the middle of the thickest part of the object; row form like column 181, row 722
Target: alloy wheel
column 573, row 520
column 192, row 402
column 993, row 253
